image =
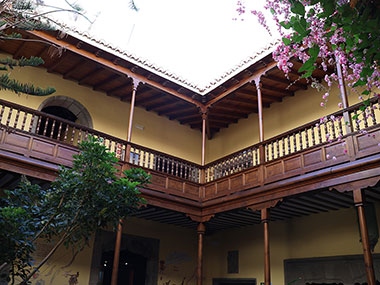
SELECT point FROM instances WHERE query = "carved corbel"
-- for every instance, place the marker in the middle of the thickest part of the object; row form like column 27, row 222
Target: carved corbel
column 264, row 205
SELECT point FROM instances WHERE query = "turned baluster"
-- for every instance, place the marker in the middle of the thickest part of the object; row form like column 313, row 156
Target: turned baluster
column 288, row 142
column 148, row 160
column 278, row 148
column 307, row 138
column 312, row 135
column 283, row 146
column 59, row 130
column 357, row 126
column 300, row 138
column 2, row 112
column 9, row 116
column 45, row 127
column 31, row 123
column 16, row 118
column 373, row 115
column 319, row 134
column 365, row 118
column 333, row 129
column 24, row 121
column 73, row 135
column 340, row 127
column 66, row 132
column 52, row 129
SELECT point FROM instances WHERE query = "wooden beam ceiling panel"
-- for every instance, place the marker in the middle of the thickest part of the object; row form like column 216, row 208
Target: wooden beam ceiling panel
column 98, row 86
column 90, row 74
column 110, row 65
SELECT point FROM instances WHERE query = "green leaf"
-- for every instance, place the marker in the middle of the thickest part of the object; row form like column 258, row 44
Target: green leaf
column 286, row 41
column 314, row 51
column 286, row 25
column 298, row 8
column 307, row 66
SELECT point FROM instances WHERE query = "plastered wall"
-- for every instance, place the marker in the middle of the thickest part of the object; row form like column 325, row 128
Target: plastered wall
column 110, row 115
column 177, row 256
column 282, row 116
column 318, row 235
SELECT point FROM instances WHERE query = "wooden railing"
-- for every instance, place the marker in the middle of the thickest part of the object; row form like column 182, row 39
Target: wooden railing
column 328, row 129
column 335, row 126
column 13, row 116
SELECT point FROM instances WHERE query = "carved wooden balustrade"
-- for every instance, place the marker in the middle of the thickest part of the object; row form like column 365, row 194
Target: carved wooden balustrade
column 47, row 141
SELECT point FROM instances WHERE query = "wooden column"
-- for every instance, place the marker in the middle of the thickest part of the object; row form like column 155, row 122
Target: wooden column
column 265, row 221
column 200, row 230
column 133, row 99
column 343, row 94
column 115, row 267
column 203, row 158
column 119, row 233
column 260, row 108
column 368, row 262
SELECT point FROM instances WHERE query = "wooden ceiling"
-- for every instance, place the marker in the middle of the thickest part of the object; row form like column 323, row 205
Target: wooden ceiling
column 101, row 72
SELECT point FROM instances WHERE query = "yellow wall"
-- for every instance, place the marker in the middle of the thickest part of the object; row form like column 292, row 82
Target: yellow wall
column 173, row 241
column 282, row 116
column 318, row 235
column 110, row 115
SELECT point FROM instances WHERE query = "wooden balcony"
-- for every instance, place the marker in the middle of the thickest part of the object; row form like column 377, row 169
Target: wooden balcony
column 327, row 154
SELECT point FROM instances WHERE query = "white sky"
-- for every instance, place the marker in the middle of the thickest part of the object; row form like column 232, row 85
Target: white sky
column 195, row 39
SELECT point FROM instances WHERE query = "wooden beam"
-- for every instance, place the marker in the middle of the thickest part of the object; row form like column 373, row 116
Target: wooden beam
column 271, row 77
column 126, row 86
column 57, row 62
column 73, row 69
column 234, row 109
column 277, row 90
column 105, row 81
column 90, row 74
column 190, row 118
column 174, row 109
column 167, row 104
column 110, row 65
column 256, row 74
column 253, row 94
column 228, row 115
column 17, row 53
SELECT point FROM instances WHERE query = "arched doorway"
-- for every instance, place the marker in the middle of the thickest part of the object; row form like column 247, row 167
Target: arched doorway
column 65, row 108
column 132, row 268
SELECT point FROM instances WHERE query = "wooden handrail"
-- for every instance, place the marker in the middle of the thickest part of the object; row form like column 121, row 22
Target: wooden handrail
column 225, row 163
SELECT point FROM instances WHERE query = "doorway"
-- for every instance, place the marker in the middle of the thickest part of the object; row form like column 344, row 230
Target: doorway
column 234, row 281
column 132, row 268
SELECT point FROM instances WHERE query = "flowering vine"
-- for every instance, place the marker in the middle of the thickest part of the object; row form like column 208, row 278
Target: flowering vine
column 324, row 33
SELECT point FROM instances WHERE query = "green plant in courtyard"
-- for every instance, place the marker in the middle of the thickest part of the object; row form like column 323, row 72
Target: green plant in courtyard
column 87, row 197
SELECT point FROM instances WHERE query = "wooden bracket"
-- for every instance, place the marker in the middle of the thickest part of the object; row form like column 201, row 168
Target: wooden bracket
column 201, row 229
column 135, row 83
column 264, row 205
column 351, row 186
column 200, row 219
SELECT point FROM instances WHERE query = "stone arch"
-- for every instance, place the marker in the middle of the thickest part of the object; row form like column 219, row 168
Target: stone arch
column 72, row 105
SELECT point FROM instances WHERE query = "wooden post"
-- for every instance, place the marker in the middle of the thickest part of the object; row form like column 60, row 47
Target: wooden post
column 203, row 158
column 265, row 221
column 119, row 233
column 115, row 267
column 200, row 230
column 260, row 108
column 368, row 262
column 133, row 99
column 343, row 94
